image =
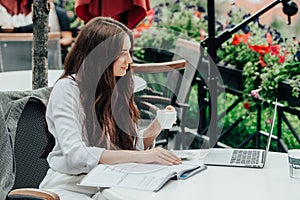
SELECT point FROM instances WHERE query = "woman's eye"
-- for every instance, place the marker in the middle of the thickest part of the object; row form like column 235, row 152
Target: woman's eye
column 123, row 53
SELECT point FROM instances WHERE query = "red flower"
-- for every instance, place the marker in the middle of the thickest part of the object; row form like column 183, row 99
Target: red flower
column 281, row 59
column 269, row 38
column 244, row 37
column 237, row 39
column 269, row 121
column 197, row 13
column 203, row 34
column 247, row 105
column 150, row 14
column 275, row 49
column 136, row 33
column 261, row 61
column 145, row 24
column 261, row 49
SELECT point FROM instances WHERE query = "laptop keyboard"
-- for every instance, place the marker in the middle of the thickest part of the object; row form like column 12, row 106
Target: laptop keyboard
column 245, row 156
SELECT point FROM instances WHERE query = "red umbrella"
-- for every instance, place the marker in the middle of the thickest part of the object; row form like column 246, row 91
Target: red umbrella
column 131, row 12
column 15, row 7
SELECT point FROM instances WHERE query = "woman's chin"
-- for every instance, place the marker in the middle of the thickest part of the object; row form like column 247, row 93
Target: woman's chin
column 120, row 74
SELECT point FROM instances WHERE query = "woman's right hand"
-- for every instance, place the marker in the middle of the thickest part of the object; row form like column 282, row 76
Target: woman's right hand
column 157, row 155
column 160, row 156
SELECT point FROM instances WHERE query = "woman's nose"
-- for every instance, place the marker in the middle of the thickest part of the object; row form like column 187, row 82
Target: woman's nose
column 128, row 58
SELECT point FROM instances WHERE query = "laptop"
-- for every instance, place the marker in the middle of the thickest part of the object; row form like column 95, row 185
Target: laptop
column 253, row 158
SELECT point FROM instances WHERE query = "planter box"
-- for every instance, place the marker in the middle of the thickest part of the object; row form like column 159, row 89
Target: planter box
column 157, row 55
column 285, row 93
column 232, row 77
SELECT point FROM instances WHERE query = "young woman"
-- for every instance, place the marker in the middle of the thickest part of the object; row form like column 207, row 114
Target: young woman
column 91, row 112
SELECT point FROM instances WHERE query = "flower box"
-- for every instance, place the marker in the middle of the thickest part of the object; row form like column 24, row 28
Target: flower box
column 285, row 93
column 231, row 77
column 157, row 55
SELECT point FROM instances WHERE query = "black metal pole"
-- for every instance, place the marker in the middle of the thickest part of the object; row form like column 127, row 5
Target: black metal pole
column 212, row 74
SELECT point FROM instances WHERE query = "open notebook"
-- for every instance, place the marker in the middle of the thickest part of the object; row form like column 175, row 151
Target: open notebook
column 151, row 177
column 255, row 158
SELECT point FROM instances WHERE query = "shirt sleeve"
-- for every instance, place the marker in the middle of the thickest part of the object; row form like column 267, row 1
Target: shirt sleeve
column 140, row 142
column 64, row 117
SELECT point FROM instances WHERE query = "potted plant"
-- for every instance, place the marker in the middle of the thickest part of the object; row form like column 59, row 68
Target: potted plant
column 256, row 61
column 158, row 32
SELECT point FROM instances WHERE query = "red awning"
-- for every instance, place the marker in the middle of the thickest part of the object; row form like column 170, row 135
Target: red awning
column 15, row 7
column 133, row 10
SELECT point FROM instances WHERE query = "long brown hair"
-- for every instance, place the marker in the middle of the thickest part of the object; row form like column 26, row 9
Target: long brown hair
column 110, row 112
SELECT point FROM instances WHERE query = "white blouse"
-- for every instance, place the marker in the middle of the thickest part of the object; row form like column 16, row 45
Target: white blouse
column 64, row 113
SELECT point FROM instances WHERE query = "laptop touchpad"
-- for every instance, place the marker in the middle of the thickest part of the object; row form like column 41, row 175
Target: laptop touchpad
column 218, row 156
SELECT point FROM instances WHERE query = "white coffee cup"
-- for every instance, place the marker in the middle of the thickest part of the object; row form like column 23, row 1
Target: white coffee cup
column 166, row 118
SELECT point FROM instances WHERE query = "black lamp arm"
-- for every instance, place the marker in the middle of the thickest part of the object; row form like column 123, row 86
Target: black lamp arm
column 289, row 8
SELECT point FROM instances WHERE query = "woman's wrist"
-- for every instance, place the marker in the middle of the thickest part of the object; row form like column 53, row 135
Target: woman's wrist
column 156, row 125
column 120, row 156
column 137, row 156
column 151, row 133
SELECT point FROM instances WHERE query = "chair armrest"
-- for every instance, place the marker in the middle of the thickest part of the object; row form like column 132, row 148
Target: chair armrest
column 150, row 91
column 153, row 99
column 32, row 193
column 158, row 67
column 182, row 105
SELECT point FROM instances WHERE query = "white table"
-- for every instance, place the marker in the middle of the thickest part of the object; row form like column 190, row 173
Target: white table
column 226, row 183
column 21, row 80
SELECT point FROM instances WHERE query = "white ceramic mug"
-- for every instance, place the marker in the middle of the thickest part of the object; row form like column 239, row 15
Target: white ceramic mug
column 166, row 118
